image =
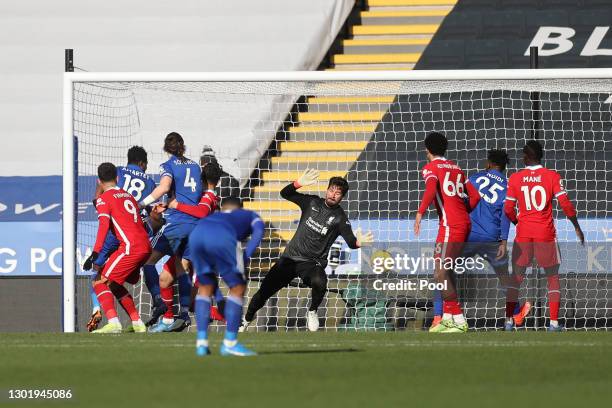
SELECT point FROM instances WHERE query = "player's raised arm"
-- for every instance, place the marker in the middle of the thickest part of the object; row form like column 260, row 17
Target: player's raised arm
column 567, row 206
column 357, row 239
column 289, row 192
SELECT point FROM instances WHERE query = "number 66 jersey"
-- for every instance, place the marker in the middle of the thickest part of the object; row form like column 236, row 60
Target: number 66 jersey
column 534, row 188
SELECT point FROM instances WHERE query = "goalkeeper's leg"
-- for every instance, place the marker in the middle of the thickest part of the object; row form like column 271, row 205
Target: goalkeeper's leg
column 313, row 275
column 279, row 276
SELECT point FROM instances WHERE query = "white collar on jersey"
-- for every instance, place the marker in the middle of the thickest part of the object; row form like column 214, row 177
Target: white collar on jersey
column 537, row 166
column 438, row 158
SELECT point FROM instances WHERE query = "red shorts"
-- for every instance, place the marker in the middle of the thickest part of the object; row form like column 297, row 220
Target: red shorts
column 450, row 241
column 545, row 252
column 121, row 268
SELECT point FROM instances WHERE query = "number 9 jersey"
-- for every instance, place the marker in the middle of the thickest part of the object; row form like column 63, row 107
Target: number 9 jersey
column 534, row 188
column 118, row 210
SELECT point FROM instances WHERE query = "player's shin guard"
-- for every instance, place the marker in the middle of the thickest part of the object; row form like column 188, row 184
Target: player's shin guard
column 151, row 278
column 184, row 289
column 107, row 301
column 202, row 315
column 233, row 316
column 554, row 297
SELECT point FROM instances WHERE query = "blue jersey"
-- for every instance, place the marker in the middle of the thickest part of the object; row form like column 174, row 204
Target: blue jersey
column 245, row 223
column 186, row 187
column 132, row 179
column 489, row 223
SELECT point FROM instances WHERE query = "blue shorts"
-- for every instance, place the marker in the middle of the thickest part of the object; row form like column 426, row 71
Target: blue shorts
column 214, row 249
column 171, row 239
column 111, row 243
column 487, row 250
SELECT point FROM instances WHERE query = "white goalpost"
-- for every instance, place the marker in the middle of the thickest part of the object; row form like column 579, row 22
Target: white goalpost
column 266, row 127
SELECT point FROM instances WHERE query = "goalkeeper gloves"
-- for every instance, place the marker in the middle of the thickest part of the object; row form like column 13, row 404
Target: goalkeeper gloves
column 310, row 176
column 89, row 262
column 364, row 238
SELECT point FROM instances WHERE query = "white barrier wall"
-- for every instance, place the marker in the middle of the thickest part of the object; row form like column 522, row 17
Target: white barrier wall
column 139, row 35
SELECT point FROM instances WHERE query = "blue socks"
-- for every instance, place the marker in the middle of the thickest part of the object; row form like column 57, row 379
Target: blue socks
column 202, row 316
column 184, row 289
column 233, row 315
column 437, row 303
column 152, row 281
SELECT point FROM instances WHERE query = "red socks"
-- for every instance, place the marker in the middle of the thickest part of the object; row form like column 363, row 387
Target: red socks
column 106, row 299
column 167, row 296
column 126, row 301
column 554, row 296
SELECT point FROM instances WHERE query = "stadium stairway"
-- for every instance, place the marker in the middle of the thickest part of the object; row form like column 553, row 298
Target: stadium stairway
column 328, row 133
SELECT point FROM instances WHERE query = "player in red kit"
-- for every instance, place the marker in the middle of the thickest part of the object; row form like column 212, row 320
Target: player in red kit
column 445, row 185
column 118, row 211
column 534, row 188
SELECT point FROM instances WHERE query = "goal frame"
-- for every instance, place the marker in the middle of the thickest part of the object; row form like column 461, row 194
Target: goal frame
column 70, row 78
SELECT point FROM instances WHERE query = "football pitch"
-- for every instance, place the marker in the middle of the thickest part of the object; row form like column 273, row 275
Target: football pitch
column 301, row 369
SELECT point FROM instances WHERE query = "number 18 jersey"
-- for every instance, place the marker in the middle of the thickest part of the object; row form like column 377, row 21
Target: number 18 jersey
column 533, row 188
column 186, row 186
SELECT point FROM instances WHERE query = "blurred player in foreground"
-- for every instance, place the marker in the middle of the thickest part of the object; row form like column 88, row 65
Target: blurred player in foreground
column 118, row 212
column 214, row 248
column 489, row 235
column 445, row 185
column 534, row 188
column 131, row 178
column 322, row 221
column 208, row 204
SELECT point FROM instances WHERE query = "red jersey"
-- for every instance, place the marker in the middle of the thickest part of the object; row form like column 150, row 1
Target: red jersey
column 208, row 204
column 534, row 188
column 445, row 185
column 118, row 210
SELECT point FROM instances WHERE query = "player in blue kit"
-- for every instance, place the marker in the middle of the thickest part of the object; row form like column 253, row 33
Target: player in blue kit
column 180, row 180
column 133, row 179
column 215, row 251
column 489, row 235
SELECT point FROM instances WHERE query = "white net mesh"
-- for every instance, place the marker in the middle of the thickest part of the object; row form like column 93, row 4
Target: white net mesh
column 265, row 133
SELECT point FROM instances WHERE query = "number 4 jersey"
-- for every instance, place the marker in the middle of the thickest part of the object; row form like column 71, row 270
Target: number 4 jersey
column 186, row 187
column 533, row 188
column 118, row 211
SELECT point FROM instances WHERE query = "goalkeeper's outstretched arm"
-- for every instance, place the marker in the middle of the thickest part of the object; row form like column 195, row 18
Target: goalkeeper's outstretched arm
column 289, row 192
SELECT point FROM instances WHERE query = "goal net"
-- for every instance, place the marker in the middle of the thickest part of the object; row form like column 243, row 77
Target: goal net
column 370, row 130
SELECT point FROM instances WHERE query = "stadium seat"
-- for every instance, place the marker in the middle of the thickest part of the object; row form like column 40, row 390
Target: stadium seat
column 444, row 54
column 539, row 18
column 481, row 54
column 505, row 24
column 463, row 25
column 584, row 21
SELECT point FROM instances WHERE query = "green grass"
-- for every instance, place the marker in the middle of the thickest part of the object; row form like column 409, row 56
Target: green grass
column 300, row 369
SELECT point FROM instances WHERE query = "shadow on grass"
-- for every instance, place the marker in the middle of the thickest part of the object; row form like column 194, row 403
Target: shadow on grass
column 311, row 351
